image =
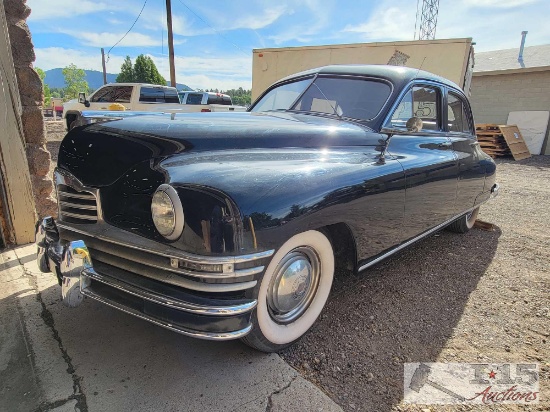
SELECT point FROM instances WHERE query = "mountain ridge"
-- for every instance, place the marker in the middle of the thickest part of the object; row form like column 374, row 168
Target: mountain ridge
column 54, row 79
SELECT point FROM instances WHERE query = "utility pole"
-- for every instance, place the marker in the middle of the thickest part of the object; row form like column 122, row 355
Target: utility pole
column 103, row 63
column 170, row 43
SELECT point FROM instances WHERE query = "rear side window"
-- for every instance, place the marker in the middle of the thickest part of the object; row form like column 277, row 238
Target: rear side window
column 457, row 118
column 422, row 102
column 171, row 96
column 219, row 99
column 150, row 94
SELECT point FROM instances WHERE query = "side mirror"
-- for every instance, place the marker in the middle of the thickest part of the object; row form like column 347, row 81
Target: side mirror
column 82, row 99
column 414, row 124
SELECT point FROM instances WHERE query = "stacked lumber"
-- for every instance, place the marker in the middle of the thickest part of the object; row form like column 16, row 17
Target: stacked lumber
column 499, row 140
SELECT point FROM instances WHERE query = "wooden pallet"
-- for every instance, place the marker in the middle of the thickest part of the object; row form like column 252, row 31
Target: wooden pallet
column 500, row 140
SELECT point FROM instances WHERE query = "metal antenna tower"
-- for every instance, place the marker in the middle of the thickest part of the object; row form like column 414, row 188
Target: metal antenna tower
column 428, row 19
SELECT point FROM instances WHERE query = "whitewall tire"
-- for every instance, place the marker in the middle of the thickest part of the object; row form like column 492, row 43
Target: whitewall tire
column 465, row 222
column 293, row 291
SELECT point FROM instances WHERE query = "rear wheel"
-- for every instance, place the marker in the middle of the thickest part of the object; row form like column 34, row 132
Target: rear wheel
column 293, row 292
column 465, row 222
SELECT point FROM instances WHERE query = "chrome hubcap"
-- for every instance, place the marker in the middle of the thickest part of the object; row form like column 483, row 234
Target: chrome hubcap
column 294, row 284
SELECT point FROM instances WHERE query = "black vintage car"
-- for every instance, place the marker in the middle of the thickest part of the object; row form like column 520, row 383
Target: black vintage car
column 224, row 226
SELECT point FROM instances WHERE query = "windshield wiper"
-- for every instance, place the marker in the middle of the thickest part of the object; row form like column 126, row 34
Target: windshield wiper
column 328, row 101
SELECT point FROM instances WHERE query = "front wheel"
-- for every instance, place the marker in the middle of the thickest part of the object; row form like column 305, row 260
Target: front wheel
column 464, row 223
column 293, row 292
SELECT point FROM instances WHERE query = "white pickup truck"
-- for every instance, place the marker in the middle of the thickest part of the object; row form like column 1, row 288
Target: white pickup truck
column 133, row 96
column 141, row 97
column 209, row 102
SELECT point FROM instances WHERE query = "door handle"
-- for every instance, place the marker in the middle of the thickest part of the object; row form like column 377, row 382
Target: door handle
column 446, row 145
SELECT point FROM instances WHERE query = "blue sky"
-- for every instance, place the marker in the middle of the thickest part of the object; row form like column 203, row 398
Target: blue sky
column 214, row 39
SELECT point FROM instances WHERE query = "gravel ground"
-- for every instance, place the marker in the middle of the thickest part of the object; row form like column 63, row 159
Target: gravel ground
column 481, row 297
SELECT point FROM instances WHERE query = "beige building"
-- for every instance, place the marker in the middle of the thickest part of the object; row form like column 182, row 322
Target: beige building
column 502, row 84
column 449, row 58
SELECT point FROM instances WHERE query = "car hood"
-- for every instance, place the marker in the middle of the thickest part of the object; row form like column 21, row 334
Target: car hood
column 98, row 154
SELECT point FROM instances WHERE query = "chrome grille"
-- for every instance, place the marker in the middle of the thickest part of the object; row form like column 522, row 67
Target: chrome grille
column 75, row 206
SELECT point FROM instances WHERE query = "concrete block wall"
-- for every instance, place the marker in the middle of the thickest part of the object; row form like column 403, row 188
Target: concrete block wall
column 493, row 97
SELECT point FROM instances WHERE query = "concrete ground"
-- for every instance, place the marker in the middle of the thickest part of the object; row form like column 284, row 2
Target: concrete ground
column 95, row 358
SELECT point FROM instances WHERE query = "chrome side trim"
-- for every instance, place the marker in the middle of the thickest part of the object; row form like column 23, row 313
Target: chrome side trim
column 121, row 237
column 195, row 334
column 166, row 301
column 154, row 261
column 83, row 196
column 77, row 205
column 175, row 280
column 413, row 240
column 79, row 216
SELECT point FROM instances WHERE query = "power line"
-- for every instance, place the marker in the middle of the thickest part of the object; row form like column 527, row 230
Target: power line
column 129, row 30
column 216, row 31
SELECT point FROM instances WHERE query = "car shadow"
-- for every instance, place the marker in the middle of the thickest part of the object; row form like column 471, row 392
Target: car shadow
column 117, row 362
column 404, row 309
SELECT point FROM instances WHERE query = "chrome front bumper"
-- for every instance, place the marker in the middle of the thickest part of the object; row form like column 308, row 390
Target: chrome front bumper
column 169, row 288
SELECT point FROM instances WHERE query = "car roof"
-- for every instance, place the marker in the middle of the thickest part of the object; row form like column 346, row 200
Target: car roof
column 395, row 74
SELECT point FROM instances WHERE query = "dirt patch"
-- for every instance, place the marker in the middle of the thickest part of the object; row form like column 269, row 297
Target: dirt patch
column 479, row 297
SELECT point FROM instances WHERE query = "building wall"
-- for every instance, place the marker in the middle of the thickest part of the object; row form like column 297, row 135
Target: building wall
column 31, row 100
column 17, row 208
column 493, row 97
column 445, row 57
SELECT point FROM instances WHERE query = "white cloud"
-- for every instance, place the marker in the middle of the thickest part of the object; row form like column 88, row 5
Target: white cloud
column 45, row 9
column 498, row 3
column 387, row 23
column 314, row 23
column 180, row 25
column 104, row 39
column 256, row 21
column 53, row 57
column 504, row 30
column 209, row 72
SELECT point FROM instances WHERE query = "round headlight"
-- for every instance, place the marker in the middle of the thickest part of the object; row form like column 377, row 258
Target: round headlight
column 167, row 212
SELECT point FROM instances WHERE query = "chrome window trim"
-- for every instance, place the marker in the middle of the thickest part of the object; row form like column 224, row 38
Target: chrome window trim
column 406, row 89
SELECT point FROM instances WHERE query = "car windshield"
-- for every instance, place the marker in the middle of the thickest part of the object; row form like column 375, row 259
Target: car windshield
column 354, row 98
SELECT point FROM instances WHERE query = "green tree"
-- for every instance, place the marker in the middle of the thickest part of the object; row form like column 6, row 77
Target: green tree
column 126, row 74
column 240, row 96
column 45, row 87
column 75, row 81
column 145, row 71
